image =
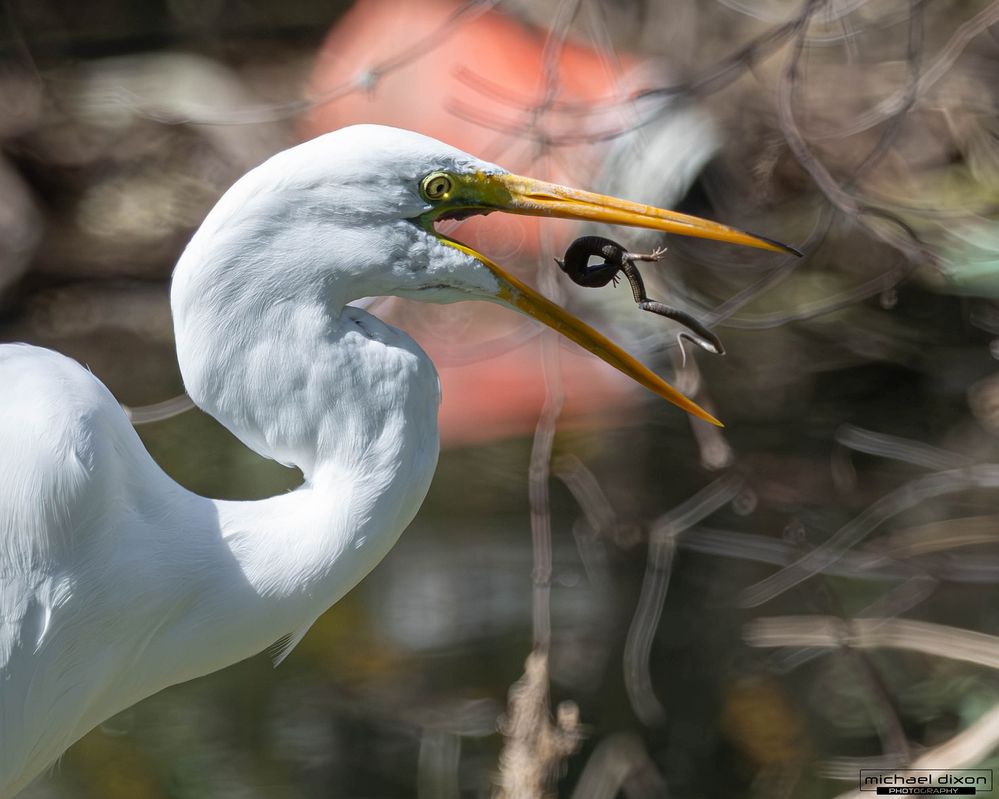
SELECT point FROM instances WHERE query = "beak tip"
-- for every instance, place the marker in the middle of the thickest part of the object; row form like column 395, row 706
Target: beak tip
column 779, row 245
column 696, row 411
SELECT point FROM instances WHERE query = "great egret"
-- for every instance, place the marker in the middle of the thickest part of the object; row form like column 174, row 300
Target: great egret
column 115, row 581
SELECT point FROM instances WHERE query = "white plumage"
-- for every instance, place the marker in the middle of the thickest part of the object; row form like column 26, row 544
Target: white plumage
column 115, row 581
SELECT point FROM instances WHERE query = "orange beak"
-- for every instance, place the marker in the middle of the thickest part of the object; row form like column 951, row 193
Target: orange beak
column 482, row 193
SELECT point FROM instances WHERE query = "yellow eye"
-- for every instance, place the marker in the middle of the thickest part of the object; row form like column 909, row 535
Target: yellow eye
column 436, row 186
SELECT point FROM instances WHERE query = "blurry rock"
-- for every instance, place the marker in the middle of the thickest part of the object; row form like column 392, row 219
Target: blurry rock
column 136, row 150
column 767, row 729
column 75, row 311
column 983, row 397
column 21, row 222
column 177, row 89
column 121, row 331
column 21, row 100
column 20, row 226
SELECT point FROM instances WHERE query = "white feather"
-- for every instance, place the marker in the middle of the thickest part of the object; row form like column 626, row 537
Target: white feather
column 115, row 582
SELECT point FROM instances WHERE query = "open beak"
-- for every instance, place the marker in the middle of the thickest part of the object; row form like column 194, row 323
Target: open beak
column 522, row 297
column 520, row 195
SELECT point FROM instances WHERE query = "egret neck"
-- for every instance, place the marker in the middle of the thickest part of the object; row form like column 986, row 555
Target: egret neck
column 316, row 384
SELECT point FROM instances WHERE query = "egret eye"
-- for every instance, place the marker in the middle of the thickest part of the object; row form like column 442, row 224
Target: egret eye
column 436, row 186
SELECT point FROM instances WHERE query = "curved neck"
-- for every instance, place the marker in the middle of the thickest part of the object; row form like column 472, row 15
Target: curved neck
column 279, row 358
column 351, row 401
column 329, row 389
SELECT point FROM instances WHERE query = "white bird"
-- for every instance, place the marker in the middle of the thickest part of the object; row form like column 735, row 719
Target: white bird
column 115, row 581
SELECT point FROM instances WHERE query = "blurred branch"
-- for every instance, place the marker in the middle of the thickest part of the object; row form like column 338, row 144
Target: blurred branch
column 908, row 496
column 533, row 746
column 942, row 535
column 878, row 562
column 965, row 34
column 910, row 244
column 587, row 491
column 539, row 475
column 662, row 546
column 914, row 59
column 437, row 769
column 544, row 434
column 869, row 288
column 900, row 599
column 620, row 762
column 914, row 636
column 158, row 411
column 967, row 748
column 897, row 448
column 888, row 633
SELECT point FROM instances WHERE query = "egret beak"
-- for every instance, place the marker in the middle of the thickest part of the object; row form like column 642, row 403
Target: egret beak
column 519, row 195
column 522, row 297
column 480, row 193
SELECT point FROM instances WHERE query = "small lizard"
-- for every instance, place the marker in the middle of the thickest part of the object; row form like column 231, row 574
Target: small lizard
column 617, row 260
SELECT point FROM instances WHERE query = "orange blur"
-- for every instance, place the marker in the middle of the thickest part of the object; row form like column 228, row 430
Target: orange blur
column 503, row 395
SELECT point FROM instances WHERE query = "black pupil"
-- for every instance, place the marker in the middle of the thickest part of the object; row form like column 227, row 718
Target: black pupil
column 438, row 186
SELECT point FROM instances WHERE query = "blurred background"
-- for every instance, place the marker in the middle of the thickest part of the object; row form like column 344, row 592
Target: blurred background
column 601, row 597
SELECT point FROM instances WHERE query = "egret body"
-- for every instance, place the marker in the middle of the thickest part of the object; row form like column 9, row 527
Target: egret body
column 115, row 581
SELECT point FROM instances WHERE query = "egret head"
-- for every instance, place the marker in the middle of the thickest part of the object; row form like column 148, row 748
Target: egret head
column 355, row 210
